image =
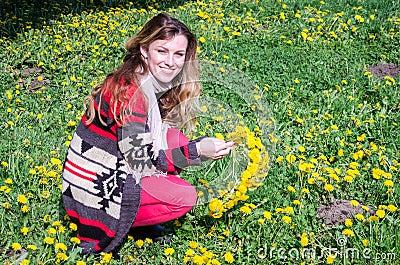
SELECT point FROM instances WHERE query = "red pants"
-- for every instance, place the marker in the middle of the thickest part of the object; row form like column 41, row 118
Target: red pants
column 165, row 198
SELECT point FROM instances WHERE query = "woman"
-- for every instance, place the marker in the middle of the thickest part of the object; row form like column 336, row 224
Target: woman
column 121, row 168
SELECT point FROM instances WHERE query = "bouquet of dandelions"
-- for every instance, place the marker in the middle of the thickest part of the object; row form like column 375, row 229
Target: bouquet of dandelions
column 249, row 164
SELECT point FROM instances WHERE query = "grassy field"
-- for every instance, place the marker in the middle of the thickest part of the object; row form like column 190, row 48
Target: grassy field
column 307, row 88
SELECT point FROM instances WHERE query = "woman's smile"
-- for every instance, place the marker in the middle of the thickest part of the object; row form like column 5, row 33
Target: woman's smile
column 165, row 58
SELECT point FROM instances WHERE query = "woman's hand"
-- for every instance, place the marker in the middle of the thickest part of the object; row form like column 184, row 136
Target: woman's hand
column 214, row 148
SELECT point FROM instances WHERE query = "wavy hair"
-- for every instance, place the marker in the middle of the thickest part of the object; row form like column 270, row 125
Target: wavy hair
column 180, row 102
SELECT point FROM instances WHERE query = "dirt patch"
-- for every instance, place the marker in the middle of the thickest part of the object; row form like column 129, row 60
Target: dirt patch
column 18, row 254
column 338, row 211
column 384, row 69
column 30, row 78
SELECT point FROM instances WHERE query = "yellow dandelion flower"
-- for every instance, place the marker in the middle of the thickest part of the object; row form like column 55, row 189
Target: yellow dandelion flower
column 373, row 218
column 330, row 258
column 242, row 188
column 229, row 257
column 348, row 232
column 245, row 209
column 139, row 243
column 24, row 209
column 287, row 219
column 215, row 262
column 219, row 136
column 388, row 183
column 49, row 240
column 226, row 233
column 359, row 18
column 365, row 242
column 193, row 244
column 60, row 246
column 55, row 161
column 189, row 252
column 169, row 251
column 391, row 208
column 6, row 205
column 380, row 213
column 16, row 246
column 215, row 205
column 32, row 247
column 198, row 260
column 354, row 203
column 73, row 226
column 56, row 223
column 71, row 123
column 8, row 181
column 305, row 191
column 106, row 258
column 348, row 222
column 348, row 178
column 299, row 120
column 329, row 187
column 291, row 189
column 289, row 209
column 267, row 215
column 25, row 262
column 366, row 208
column 360, row 217
column 62, row 256
column 304, row 240
column 290, row 158
column 75, row 240
column 22, row 199
column 51, row 231
column 24, row 230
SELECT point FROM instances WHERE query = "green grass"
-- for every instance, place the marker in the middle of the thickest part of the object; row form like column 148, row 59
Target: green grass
column 311, row 76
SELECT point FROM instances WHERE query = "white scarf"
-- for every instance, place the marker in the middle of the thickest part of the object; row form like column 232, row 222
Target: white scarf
column 150, row 86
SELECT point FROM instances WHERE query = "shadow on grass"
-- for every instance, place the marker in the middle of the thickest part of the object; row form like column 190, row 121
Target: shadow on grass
column 18, row 15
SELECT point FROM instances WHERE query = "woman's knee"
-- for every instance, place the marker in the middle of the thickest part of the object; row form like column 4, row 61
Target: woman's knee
column 191, row 197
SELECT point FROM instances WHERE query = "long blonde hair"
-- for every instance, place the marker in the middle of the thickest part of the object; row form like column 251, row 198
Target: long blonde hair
column 180, row 102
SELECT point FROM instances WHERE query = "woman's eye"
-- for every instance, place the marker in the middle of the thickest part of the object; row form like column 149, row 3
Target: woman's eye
column 161, row 51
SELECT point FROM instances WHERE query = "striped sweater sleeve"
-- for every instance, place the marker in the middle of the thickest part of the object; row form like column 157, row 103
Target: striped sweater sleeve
column 134, row 139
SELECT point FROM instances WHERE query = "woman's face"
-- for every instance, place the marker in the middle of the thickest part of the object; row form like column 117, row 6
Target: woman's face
column 165, row 58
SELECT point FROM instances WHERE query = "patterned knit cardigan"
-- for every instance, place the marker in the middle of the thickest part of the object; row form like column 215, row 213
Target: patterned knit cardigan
column 101, row 175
